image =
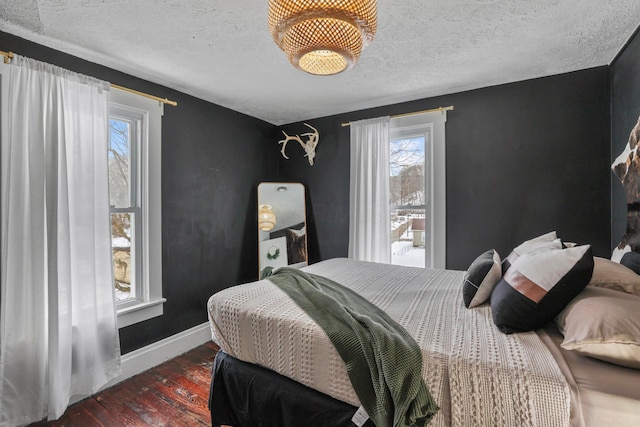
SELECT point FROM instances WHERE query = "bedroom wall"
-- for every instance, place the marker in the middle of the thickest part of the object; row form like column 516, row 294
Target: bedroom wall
column 625, row 109
column 212, row 161
column 522, row 159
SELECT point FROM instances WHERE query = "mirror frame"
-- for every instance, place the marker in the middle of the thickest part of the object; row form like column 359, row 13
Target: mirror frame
column 287, row 201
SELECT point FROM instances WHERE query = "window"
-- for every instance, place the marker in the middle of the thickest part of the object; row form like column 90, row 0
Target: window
column 124, row 140
column 417, row 187
column 408, row 200
column 134, row 187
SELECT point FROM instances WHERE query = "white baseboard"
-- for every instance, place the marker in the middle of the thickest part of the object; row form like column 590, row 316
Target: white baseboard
column 154, row 354
column 145, row 358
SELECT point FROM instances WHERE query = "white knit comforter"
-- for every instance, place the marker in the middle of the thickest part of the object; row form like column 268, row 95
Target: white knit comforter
column 478, row 375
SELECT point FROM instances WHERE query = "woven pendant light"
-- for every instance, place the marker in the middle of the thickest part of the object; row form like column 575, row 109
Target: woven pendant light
column 322, row 37
column 266, row 218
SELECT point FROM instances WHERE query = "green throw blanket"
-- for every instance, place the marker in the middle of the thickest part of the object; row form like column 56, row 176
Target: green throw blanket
column 383, row 361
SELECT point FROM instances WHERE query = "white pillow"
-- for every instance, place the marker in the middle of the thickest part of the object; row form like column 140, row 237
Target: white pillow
column 544, row 242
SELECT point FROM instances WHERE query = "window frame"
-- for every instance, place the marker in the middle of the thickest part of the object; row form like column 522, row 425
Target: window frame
column 431, row 125
column 147, row 113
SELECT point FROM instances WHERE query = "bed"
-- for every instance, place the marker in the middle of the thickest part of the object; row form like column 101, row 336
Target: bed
column 277, row 367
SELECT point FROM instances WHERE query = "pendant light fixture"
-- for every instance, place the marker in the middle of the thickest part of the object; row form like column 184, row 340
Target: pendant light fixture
column 266, row 218
column 322, row 37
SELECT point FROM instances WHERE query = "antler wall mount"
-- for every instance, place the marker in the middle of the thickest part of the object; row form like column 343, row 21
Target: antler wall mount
column 309, row 146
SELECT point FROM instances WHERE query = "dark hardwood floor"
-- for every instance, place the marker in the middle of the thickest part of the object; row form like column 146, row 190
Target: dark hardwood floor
column 174, row 393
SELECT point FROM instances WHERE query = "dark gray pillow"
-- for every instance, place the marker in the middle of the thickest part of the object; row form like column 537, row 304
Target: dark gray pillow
column 538, row 286
column 483, row 274
column 631, row 260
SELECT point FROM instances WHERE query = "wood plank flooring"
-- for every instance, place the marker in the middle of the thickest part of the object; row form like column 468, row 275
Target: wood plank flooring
column 174, row 394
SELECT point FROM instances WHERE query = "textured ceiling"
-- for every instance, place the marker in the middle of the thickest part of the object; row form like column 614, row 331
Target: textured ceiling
column 221, row 51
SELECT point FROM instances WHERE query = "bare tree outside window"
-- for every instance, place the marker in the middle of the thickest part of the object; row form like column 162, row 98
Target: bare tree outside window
column 407, row 172
column 119, row 163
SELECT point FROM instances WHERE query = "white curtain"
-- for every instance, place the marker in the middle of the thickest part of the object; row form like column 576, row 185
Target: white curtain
column 58, row 322
column 369, row 212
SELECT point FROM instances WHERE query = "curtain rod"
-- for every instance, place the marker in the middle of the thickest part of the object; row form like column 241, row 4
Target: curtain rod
column 9, row 55
column 157, row 98
column 433, row 110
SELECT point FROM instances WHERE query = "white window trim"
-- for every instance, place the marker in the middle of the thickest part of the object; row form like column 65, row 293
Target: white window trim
column 4, row 101
column 432, row 123
column 150, row 303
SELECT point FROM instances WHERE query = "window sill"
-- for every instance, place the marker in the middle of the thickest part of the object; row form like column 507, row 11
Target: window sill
column 139, row 312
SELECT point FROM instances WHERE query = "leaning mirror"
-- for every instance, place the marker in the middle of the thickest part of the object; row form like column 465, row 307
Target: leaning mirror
column 282, row 227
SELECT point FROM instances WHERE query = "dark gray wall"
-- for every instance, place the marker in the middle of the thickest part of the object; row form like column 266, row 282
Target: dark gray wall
column 625, row 109
column 522, row 159
column 212, row 161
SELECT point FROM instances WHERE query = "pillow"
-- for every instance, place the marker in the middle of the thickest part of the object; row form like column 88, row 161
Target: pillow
column 546, row 241
column 632, row 261
column 609, row 274
column 483, row 274
column 603, row 324
column 538, row 286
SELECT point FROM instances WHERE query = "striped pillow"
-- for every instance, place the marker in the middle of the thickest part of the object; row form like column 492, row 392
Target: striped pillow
column 482, row 276
column 538, row 286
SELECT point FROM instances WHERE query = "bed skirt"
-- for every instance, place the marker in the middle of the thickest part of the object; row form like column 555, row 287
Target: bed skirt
column 246, row 395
